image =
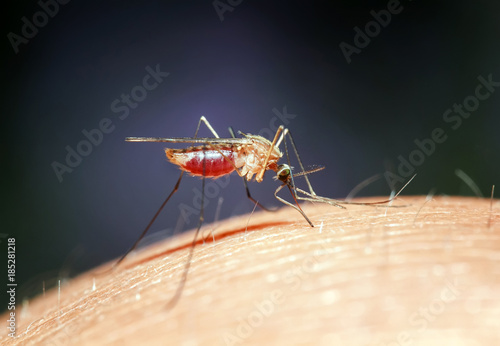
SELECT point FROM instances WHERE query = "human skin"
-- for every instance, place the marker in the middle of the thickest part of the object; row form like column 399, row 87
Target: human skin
column 424, row 274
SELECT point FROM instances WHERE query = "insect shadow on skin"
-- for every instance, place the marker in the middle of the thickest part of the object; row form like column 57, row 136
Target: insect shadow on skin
column 250, row 156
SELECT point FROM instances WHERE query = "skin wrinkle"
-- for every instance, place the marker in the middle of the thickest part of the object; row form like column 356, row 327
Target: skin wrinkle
column 354, row 281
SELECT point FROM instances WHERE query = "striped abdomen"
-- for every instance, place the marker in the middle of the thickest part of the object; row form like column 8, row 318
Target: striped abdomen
column 191, row 160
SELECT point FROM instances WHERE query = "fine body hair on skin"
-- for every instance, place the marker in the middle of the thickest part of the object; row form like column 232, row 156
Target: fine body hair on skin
column 425, row 274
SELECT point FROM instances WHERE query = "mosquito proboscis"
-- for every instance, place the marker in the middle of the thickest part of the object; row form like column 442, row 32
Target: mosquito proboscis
column 250, row 156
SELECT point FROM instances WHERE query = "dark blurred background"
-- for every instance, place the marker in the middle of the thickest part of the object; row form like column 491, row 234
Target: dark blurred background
column 239, row 65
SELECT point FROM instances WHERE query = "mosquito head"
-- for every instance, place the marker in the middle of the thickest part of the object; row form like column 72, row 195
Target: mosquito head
column 283, row 173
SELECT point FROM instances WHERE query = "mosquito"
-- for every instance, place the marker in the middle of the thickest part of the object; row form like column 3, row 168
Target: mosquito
column 250, row 156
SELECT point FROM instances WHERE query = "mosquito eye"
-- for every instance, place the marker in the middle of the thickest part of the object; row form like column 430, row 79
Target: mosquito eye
column 284, row 172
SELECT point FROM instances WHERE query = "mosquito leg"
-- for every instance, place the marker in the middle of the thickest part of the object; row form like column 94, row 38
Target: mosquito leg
column 215, row 223
column 291, row 181
column 254, row 200
column 260, row 175
column 180, row 288
column 246, row 185
column 316, row 198
column 337, row 203
column 296, row 207
column 173, row 301
column 287, row 132
column 207, row 124
column 176, row 187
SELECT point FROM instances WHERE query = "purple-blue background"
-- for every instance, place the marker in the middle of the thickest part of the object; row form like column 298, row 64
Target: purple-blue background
column 356, row 119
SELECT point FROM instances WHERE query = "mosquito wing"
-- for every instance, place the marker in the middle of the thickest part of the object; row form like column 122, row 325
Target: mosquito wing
column 190, row 140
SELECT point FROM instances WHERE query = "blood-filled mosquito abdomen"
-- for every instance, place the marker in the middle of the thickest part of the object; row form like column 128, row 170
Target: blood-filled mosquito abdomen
column 191, row 160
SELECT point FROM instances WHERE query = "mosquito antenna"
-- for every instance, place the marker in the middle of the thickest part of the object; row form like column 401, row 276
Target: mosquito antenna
column 173, row 301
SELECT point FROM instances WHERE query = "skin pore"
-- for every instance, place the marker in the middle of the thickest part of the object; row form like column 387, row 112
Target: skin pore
column 425, row 274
